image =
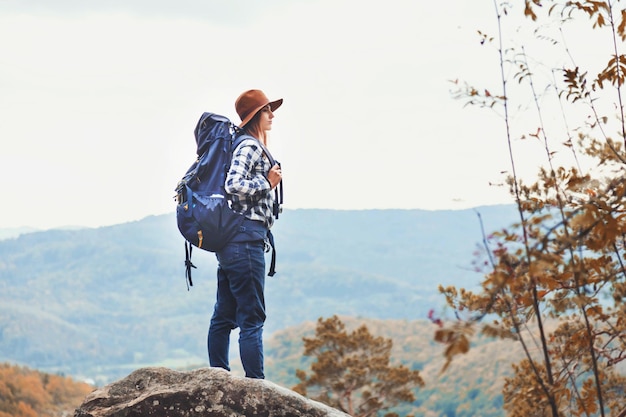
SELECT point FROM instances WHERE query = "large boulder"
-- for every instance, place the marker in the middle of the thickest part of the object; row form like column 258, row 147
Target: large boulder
column 210, row 392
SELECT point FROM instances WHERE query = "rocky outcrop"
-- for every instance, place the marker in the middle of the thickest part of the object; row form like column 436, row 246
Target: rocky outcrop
column 207, row 392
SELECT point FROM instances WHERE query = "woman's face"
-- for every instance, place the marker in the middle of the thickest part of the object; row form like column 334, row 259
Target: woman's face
column 265, row 119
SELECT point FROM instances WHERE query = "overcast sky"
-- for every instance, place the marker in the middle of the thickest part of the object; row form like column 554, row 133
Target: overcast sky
column 99, row 99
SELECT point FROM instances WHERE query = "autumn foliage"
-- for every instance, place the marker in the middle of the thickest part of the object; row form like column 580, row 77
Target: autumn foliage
column 556, row 280
column 28, row 393
column 352, row 371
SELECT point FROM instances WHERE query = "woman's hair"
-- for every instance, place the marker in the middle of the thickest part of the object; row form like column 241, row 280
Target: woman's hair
column 253, row 127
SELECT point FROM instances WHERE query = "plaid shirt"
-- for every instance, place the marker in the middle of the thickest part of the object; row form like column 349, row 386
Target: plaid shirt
column 247, row 183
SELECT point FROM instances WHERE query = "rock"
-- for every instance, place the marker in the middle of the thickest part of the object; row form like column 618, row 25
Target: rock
column 206, row 392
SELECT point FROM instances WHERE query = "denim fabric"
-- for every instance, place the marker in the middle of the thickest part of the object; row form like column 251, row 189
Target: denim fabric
column 251, row 230
column 240, row 303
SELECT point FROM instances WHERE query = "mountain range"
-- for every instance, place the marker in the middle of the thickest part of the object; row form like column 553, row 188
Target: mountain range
column 97, row 303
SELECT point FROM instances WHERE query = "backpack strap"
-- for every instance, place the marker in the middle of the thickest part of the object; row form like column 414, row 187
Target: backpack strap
column 278, row 196
column 243, row 136
column 188, row 264
column 272, row 270
column 278, row 191
column 278, row 201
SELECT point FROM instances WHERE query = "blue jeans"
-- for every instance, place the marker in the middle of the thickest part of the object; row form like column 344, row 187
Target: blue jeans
column 240, row 303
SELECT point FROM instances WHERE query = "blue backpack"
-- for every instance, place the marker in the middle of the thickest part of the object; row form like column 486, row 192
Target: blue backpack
column 203, row 212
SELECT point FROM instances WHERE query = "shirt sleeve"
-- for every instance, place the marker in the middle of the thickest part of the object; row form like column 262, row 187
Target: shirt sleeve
column 245, row 176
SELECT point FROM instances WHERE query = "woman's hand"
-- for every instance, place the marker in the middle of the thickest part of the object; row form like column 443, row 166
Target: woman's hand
column 274, row 176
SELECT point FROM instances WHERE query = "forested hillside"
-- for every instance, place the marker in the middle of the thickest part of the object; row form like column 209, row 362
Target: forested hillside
column 98, row 303
column 29, row 393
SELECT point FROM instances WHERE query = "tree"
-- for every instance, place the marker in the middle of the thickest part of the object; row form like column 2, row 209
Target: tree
column 556, row 280
column 352, row 371
column 29, row 393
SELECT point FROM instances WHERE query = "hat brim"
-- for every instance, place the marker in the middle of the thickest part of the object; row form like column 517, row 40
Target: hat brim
column 273, row 105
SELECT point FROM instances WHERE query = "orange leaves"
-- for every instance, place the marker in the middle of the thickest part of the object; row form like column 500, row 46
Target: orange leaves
column 621, row 28
column 587, row 402
column 529, row 10
column 25, row 410
column 546, row 266
column 594, row 9
column 614, row 72
column 597, row 228
column 566, row 259
column 576, row 84
column 499, row 332
column 596, row 311
column 352, row 372
column 29, row 393
column 456, row 338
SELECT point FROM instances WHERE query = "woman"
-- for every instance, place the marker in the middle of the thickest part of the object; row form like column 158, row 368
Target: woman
column 241, row 270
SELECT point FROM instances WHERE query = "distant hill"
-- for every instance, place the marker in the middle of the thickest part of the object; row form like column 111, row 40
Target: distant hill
column 13, row 232
column 7, row 233
column 98, row 303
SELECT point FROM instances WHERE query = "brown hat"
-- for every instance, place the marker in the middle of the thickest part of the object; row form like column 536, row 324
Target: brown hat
column 250, row 102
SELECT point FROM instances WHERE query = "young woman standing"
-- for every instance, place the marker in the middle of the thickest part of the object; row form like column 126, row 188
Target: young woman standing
column 241, row 263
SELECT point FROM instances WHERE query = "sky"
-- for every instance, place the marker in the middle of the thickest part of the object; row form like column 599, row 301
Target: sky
column 99, row 100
